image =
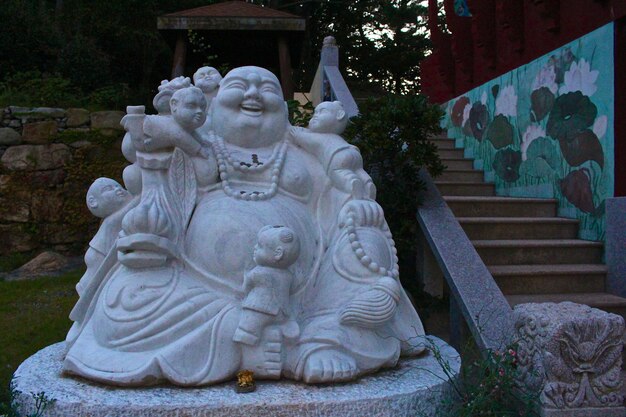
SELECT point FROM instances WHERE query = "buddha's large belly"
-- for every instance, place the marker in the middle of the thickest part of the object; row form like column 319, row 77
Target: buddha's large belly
column 223, row 231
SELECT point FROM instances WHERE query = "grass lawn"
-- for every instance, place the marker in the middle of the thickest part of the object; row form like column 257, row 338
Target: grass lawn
column 33, row 315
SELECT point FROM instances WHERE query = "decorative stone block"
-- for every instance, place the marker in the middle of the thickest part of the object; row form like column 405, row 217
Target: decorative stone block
column 77, row 117
column 39, row 133
column 416, row 387
column 9, row 137
column 107, row 121
column 35, row 157
column 571, row 354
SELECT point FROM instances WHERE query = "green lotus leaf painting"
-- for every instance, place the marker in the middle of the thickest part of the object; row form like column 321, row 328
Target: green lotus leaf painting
column 506, row 163
column 572, row 113
column 500, row 132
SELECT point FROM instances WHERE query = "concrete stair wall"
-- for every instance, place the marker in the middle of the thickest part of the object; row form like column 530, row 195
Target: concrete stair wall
column 533, row 255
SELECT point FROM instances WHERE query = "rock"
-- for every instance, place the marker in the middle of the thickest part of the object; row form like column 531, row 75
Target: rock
column 15, row 123
column 27, row 113
column 80, row 144
column 36, row 157
column 49, row 112
column 56, row 233
column 47, row 179
column 46, row 206
column 39, row 133
column 9, row 136
column 15, row 238
column 15, row 207
column 4, row 181
column 107, row 121
column 43, row 264
column 77, row 117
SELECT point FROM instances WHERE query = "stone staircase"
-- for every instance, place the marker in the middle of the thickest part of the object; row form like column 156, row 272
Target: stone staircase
column 533, row 255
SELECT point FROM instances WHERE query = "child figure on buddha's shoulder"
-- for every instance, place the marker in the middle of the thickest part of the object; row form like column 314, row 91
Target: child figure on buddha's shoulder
column 343, row 162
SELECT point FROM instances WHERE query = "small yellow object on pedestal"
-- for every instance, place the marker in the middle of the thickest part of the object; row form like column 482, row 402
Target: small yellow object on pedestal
column 245, row 382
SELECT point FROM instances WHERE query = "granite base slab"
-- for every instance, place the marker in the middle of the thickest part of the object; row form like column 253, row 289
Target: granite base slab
column 416, row 387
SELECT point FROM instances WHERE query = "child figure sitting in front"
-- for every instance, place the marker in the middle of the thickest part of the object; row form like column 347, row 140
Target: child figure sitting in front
column 343, row 162
column 267, row 286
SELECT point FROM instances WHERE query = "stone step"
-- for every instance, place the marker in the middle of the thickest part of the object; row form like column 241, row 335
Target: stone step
column 450, row 153
column 461, row 175
column 549, row 279
column 444, row 143
column 474, row 206
column 482, row 228
column 465, row 188
column 600, row 300
column 538, row 251
column 457, row 163
column 440, row 136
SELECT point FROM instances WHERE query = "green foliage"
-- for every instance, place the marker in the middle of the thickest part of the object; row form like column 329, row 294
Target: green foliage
column 88, row 45
column 300, row 114
column 32, row 88
column 33, row 315
column 382, row 41
column 392, row 133
column 488, row 387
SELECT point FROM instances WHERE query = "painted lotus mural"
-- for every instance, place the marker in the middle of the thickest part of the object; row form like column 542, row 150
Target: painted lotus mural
column 546, row 129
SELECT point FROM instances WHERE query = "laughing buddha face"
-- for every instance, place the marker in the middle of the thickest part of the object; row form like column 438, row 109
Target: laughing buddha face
column 249, row 109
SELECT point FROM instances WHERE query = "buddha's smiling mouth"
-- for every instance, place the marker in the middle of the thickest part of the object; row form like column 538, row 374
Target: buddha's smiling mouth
column 251, row 108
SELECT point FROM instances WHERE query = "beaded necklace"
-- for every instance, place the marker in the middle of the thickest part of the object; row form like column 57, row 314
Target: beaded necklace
column 224, row 159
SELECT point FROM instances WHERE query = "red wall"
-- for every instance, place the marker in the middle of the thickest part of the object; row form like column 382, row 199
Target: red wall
column 502, row 35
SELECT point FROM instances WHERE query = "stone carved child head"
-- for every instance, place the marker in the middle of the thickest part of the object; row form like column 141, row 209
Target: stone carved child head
column 106, row 196
column 329, row 117
column 277, row 246
column 189, row 108
column 161, row 101
column 207, row 79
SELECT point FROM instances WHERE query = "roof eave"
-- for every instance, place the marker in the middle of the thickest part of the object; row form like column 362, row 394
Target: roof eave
column 230, row 23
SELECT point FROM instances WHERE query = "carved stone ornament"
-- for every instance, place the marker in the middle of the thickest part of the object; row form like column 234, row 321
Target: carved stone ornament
column 241, row 243
column 572, row 355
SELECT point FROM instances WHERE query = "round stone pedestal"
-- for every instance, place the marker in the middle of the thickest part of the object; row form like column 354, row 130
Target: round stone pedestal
column 416, row 387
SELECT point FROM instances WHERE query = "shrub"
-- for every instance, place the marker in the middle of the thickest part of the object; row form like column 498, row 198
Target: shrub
column 392, row 133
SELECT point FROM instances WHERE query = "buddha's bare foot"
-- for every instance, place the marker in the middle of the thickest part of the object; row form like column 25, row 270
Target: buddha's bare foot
column 329, row 366
column 265, row 358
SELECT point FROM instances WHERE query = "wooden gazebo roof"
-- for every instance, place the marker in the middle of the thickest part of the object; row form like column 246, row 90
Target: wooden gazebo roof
column 232, row 15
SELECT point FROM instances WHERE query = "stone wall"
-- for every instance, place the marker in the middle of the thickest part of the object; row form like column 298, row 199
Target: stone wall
column 48, row 159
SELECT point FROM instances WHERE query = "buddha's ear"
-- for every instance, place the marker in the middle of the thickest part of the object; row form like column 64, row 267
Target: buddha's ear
column 341, row 113
column 279, row 252
column 173, row 104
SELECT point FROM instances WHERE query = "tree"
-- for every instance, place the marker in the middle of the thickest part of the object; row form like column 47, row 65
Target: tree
column 382, row 42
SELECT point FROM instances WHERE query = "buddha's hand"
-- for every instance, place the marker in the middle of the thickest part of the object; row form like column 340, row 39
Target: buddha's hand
column 366, row 213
